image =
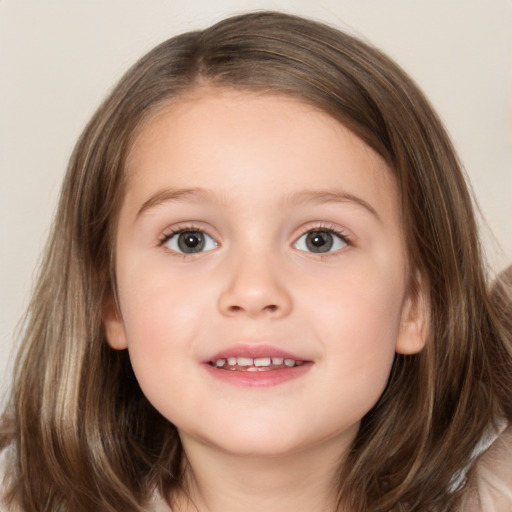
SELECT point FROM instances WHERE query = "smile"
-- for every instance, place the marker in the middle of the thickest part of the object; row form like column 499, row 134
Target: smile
column 258, row 364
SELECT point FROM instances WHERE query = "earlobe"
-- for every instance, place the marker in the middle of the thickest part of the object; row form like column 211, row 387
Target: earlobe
column 413, row 333
column 113, row 325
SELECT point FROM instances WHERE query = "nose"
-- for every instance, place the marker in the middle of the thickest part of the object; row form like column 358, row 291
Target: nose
column 253, row 289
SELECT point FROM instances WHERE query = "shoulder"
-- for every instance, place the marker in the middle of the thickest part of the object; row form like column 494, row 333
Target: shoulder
column 490, row 486
column 5, row 461
column 158, row 504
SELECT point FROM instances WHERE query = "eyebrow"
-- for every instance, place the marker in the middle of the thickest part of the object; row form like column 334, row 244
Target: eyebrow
column 180, row 194
column 297, row 198
column 331, row 196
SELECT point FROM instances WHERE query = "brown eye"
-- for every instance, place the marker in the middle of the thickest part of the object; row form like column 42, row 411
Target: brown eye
column 320, row 241
column 191, row 242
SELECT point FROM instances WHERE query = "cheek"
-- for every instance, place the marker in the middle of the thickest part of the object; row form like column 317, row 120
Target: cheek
column 155, row 304
column 365, row 305
column 359, row 324
column 160, row 319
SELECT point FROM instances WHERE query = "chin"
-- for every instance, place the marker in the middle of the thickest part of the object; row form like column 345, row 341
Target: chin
column 259, row 439
column 261, row 447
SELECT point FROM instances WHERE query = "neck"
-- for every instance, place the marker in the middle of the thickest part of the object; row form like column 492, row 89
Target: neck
column 217, row 481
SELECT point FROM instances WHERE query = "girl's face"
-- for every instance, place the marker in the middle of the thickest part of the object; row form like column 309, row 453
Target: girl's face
column 261, row 272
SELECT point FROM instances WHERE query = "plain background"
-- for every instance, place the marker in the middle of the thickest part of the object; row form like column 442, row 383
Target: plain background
column 58, row 59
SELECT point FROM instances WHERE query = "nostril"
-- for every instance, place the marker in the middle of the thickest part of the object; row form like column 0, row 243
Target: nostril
column 271, row 308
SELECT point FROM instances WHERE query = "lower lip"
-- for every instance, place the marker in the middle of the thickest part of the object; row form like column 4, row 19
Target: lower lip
column 258, row 379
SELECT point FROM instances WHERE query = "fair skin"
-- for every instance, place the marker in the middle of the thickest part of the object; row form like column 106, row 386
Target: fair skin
column 257, row 227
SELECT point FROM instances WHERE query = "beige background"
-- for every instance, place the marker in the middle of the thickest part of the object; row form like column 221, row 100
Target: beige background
column 58, row 58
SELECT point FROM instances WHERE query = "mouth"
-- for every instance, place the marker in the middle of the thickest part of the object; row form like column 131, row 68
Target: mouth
column 257, row 364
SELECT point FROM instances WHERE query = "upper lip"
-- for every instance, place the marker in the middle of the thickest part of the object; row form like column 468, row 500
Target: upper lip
column 253, row 351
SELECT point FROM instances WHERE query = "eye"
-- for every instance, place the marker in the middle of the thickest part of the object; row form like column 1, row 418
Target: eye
column 321, row 241
column 190, row 242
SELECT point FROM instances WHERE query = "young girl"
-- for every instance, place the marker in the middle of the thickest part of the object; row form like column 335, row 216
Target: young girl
column 263, row 291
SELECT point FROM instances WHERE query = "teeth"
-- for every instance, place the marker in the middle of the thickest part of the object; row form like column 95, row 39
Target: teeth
column 262, row 361
column 255, row 364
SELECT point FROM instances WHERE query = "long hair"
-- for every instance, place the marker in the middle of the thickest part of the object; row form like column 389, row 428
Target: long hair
column 86, row 438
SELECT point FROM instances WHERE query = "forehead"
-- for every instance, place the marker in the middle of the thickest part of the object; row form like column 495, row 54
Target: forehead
column 233, row 141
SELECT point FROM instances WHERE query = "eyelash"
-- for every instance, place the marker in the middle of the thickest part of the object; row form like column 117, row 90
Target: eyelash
column 167, row 235
column 326, row 228
column 171, row 232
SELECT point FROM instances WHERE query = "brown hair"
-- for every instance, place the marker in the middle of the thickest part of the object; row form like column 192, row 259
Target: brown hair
column 87, row 439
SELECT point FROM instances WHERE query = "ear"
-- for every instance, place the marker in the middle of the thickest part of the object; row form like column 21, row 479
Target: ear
column 414, row 323
column 113, row 325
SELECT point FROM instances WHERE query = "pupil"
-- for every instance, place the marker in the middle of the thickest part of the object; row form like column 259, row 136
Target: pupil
column 319, row 241
column 191, row 241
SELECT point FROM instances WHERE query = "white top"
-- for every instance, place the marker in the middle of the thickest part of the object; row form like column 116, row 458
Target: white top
column 490, row 489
